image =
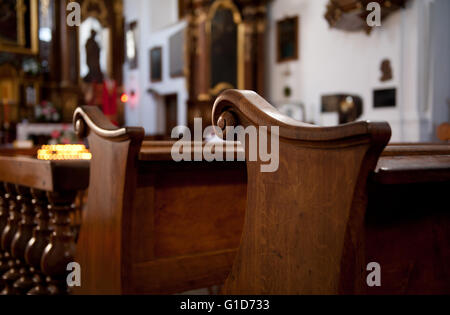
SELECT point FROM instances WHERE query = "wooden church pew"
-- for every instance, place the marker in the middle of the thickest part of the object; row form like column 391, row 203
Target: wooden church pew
column 306, row 230
column 152, row 225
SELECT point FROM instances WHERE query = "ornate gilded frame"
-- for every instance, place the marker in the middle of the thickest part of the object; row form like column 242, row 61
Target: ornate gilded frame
column 19, row 46
column 229, row 5
column 102, row 15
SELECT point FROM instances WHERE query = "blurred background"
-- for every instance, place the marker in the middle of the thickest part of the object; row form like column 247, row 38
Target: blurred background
column 161, row 63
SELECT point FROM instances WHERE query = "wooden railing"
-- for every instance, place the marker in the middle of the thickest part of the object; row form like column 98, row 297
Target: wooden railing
column 38, row 223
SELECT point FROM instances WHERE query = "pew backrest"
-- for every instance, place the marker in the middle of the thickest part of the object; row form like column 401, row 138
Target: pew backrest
column 304, row 222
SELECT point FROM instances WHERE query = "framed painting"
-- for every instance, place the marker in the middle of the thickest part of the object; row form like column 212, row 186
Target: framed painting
column 225, row 39
column 287, row 39
column 176, row 54
column 385, row 98
column 19, row 26
column 156, row 64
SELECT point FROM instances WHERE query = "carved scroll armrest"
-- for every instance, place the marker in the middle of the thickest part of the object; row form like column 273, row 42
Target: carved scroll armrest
column 235, row 107
column 91, row 119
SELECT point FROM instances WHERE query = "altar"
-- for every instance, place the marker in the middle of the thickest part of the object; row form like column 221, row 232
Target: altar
column 55, row 133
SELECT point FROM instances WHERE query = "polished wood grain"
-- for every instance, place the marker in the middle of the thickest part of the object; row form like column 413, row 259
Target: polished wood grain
column 416, row 149
column 407, row 233
column 103, row 248
column 44, row 175
column 303, row 227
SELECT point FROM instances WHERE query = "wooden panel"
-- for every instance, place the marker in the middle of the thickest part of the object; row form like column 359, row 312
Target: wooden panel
column 182, row 273
column 408, row 234
column 143, row 223
column 199, row 210
column 413, row 254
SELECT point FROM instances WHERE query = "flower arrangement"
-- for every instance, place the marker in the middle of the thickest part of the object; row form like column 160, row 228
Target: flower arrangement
column 64, row 136
column 46, row 112
column 31, row 67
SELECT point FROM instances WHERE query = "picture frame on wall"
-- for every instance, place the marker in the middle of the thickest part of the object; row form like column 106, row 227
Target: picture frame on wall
column 156, row 64
column 383, row 98
column 19, row 26
column 131, row 48
column 176, row 54
column 288, row 39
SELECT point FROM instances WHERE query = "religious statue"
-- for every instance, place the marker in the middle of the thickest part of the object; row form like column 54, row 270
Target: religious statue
column 93, row 60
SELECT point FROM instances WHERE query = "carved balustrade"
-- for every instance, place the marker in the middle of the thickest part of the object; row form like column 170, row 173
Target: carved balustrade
column 39, row 223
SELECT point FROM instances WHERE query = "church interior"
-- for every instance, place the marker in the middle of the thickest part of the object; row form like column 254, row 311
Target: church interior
column 135, row 139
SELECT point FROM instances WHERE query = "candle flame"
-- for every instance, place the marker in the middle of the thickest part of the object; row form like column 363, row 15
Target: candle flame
column 64, row 152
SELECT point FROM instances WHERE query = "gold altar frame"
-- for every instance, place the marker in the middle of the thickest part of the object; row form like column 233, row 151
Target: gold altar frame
column 237, row 18
column 103, row 18
column 19, row 46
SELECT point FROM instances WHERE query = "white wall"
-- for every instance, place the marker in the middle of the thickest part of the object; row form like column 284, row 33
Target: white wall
column 157, row 21
column 331, row 61
column 168, row 85
column 334, row 61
